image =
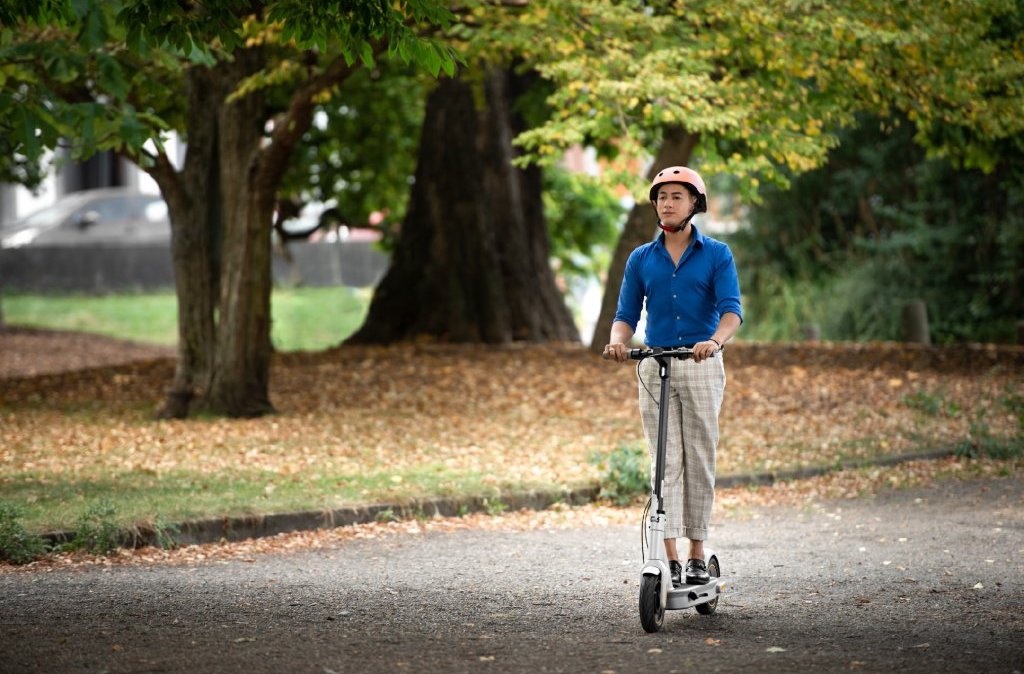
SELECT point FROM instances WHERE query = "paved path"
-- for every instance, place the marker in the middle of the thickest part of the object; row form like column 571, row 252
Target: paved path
column 877, row 584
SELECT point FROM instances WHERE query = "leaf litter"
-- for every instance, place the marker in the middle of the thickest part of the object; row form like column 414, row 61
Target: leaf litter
column 517, row 415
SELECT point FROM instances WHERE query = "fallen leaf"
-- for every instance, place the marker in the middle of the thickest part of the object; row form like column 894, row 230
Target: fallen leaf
column 775, row 649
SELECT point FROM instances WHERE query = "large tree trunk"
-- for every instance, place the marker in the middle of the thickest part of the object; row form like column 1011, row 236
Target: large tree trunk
column 221, row 206
column 220, row 247
column 471, row 262
column 194, row 203
column 241, row 377
column 676, row 148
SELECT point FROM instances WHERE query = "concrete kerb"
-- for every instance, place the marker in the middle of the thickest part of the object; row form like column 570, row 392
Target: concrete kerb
column 259, row 526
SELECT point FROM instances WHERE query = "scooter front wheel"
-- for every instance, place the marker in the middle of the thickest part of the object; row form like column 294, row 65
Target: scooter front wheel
column 652, row 613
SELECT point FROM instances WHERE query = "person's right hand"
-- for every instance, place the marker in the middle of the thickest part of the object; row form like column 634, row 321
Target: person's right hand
column 618, row 352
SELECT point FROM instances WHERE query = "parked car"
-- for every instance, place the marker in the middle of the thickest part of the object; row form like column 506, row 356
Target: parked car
column 108, row 216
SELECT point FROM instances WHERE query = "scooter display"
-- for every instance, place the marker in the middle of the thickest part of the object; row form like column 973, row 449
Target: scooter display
column 657, row 593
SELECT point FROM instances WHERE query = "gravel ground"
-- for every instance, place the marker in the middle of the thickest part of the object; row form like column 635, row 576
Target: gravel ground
column 924, row 580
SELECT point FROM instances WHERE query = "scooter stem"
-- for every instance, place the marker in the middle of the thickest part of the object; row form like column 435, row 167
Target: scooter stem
column 664, row 372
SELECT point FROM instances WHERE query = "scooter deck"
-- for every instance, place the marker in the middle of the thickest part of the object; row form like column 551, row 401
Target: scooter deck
column 687, row 596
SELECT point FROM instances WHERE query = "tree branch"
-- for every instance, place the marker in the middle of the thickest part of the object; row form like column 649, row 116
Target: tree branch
column 290, row 127
column 165, row 175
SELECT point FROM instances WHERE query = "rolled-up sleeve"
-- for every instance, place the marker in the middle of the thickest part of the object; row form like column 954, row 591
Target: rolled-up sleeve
column 631, row 293
column 727, row 285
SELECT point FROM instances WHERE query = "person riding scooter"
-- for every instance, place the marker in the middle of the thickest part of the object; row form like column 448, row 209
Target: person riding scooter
column 692, row 292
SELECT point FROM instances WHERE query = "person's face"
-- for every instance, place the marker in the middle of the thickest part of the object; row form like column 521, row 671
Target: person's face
column 674, row 204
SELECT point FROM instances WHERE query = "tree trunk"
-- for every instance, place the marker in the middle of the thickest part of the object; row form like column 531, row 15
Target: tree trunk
column 676, row 149
column 241, row 377
column 220, row 247
column 193, row 201
column 471, row 262
column 221, row 206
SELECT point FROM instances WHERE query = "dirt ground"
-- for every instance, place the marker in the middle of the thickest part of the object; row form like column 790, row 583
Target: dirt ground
column 25, row 352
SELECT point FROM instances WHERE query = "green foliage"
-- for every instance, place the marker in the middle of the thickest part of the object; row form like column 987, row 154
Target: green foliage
column 880, row 225
column 764, row 83
column 17, row 545
column 625, row 473
column 583, row 219
column 106, row 75
column 360, row 154
column 932, row 404
column 165, row 533
column 494, row 507
column 982, row 442
column 97, row 531
column 386, row 515
column 1013, row 401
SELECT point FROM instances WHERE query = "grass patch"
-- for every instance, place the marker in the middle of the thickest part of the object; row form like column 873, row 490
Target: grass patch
column 143, row 317
column 932, row 404
column 100, row 506
column 303, row 319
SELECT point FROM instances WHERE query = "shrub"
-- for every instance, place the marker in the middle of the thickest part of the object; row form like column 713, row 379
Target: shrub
column 166, row 533
column 17, row 545
column 97, row 532
column 625, row 473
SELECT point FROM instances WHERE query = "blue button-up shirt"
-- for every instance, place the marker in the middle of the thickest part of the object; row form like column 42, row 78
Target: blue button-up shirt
column 684, row 301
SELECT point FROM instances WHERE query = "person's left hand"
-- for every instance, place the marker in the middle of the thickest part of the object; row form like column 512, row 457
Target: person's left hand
column 705, row 349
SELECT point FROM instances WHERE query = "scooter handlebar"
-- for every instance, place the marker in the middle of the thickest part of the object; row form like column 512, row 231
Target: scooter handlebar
column 640, row 354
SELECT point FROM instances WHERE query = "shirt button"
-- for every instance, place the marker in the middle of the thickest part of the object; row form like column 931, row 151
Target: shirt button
column 674, row 296
column 677, row 318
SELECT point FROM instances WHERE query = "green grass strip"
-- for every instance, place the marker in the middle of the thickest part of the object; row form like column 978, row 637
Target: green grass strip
column 303, row 319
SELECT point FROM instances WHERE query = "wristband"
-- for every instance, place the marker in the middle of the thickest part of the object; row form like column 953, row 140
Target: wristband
column 712, row 339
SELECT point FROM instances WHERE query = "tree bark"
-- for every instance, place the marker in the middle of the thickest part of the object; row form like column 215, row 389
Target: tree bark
column 471, row 262
column 194, row 203
column 220, row 246
column 240, row 383
column 676, row 149
column 221, row 206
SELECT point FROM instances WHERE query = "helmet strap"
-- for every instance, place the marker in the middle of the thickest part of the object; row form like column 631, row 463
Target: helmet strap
column 680, row 227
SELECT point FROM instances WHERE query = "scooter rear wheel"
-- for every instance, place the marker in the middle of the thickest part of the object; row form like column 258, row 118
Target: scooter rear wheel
column 715, row 572
column 652, row 613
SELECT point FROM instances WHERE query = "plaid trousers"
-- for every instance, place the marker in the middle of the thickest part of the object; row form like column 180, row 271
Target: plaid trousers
column 695, row 399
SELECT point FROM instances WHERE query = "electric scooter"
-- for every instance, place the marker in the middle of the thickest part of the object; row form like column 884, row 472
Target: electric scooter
column 656, row 589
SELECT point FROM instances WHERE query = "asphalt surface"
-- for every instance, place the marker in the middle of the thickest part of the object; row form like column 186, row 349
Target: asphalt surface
column 923, row 580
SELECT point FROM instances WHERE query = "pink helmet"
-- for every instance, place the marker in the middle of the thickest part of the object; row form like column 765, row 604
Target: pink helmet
column 683, row 176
